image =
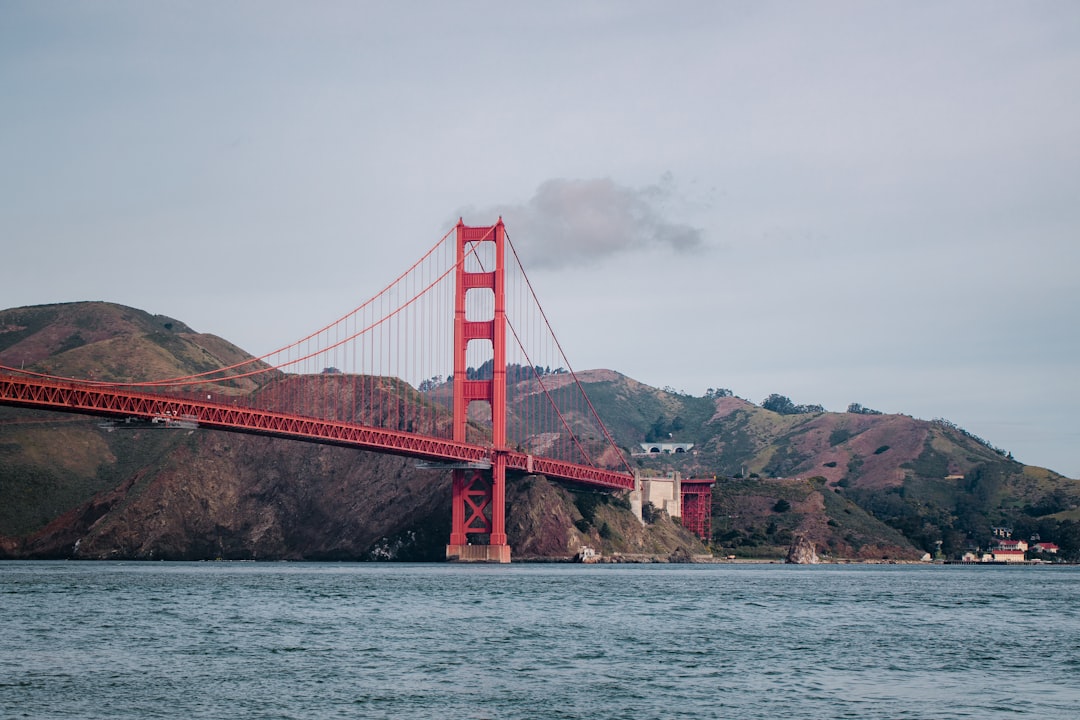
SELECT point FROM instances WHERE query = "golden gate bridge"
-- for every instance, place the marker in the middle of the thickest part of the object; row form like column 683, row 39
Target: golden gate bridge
column 451, row 363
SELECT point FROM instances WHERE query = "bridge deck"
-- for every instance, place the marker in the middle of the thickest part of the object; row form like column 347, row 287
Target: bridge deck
column 109, row 401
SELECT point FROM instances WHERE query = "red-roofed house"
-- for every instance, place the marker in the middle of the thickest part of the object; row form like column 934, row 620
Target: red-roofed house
column 1003, row 555
column 1020, row 545
column 1046, row 548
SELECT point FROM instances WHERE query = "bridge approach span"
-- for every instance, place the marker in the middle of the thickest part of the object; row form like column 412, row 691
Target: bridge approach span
column 108, row 401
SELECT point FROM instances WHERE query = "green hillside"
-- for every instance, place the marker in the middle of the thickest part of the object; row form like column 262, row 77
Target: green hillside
column 878, row 479
column 51, row 463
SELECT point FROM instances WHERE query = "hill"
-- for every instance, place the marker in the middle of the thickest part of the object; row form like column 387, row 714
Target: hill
column 70, row 488
column 104, row 341
column 929, row 481
column 858, row 484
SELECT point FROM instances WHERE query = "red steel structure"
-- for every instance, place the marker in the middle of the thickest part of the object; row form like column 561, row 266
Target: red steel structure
column 479, row 470
column 86, row 399
column 479, row 502
column 49, row 394
column 696, row 499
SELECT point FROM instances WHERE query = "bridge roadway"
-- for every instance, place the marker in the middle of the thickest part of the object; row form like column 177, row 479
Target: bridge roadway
column 109, row 401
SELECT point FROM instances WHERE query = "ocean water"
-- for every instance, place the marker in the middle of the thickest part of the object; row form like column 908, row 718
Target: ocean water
column 293, row 640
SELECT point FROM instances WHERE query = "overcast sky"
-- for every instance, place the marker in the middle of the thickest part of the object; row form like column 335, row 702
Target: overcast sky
column 871, row 202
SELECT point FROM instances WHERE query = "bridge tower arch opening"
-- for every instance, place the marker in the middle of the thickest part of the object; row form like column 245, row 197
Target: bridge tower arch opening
column 479, row 494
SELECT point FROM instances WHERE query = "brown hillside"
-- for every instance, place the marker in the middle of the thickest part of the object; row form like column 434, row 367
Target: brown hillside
column 72, row 488
column 866, row 436
column 108, row 342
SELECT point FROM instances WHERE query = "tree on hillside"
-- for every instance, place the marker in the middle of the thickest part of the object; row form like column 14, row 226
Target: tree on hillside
column 658, row 430
column 782, row 405
column 430, row 384
column 515, row 373
column 779, row 404
column 1068, row 538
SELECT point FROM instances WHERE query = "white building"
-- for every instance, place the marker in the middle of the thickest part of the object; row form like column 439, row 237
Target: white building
column 665, row 448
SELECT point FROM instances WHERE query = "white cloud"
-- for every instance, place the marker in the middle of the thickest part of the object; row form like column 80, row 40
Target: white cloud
column 568, row 222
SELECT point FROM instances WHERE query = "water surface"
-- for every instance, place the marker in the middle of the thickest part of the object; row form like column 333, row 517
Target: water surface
column 292, row 640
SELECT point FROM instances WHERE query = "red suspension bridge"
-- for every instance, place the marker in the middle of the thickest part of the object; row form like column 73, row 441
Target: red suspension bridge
column 453, row 363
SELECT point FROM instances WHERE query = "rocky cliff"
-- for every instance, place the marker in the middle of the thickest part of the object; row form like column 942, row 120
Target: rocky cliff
column 802, row 552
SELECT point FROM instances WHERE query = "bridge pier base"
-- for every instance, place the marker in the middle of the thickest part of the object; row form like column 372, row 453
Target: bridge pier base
column 478, row 553
column 478, row 507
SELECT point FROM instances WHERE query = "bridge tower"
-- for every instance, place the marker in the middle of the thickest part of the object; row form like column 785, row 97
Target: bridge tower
column 479, row 493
